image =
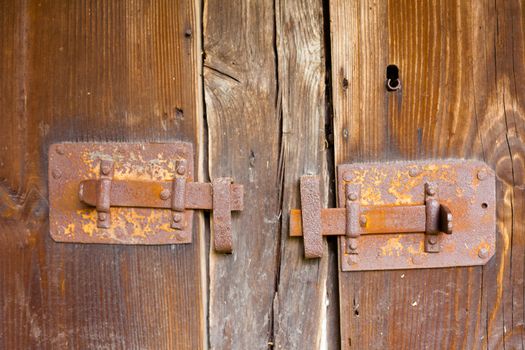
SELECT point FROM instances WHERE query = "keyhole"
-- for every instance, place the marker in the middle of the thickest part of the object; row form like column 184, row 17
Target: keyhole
column 392, row 78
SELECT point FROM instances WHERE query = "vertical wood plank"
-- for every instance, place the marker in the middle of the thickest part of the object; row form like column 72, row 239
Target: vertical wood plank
column 301, row 302
column 95, row 71
column 461, row 65
column 244, row 139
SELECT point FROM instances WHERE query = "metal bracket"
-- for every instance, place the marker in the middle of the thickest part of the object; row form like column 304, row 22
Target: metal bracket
column 141, row 193
column 395, row 215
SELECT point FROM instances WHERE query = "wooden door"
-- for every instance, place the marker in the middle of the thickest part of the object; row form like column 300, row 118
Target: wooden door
column 461, row 65
column 94, row 71
column 266, row 91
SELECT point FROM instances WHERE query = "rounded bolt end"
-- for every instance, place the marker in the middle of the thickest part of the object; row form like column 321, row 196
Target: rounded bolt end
column 59, row 150
column 431, row 191
column 413, row 172
column 353, row 245
column 347, row 176
column 432, row 240
column 181, row 170
column 352, row 196
column 105, row 170
column 102, row 216
column 363, row 220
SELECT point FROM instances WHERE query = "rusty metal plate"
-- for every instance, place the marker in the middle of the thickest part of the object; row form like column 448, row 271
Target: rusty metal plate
column 73, row 221
column 466, row 187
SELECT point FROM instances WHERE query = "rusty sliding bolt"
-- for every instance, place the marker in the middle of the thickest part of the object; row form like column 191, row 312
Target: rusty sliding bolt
column 353, row 221
column 221, row 197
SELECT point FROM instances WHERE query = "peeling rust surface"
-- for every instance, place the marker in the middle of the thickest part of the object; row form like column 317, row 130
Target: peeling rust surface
column 222, row 215
column 466, row 197
column 311, row 217
column 153, row 164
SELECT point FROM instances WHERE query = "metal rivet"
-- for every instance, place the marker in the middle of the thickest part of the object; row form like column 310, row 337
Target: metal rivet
column 432, row 240
column 105, row 169
column 353, row 245
column 351, row 259
column 57, row 174
column 102, row 216
column 362, row 220
column 417, row 260
column 482, row 174
column 165, row 194
column 347, row 176
column 413, row 172
column 187, row 33
column 59, row 150
column 431, row 191
column 352, row 196
column 181, row 166
column 180, row 235
column 177, row 217
column 483, row 253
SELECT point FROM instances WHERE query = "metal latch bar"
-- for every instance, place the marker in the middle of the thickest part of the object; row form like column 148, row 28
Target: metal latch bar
column 152, row 194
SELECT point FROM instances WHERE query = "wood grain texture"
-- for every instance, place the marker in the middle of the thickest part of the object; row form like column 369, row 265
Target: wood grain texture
column 264, row 77
column 93, row 71
column 244, row 139
column 461, row 66
column 301, row 309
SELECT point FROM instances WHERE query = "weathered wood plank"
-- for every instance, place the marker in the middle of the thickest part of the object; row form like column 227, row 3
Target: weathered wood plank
column 499, row 69
column 460, row 68
column 94, row 71
column 244, row 139
column 301, row 302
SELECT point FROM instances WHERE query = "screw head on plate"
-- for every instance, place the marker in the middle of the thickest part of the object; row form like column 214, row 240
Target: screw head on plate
column 102, row 216
column 351, row 259
column 347, row 176
column 57, row 174
column 177, row 217
column 413, row 172
column 482, row 174
column 432, row 240
column 59, row 150
column 483, row 253
column 363, row 220
column 165, row 194
column 353, row 245
column 417, row 260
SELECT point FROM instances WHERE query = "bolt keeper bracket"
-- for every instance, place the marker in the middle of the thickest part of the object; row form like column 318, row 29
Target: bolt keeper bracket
column 400, row 215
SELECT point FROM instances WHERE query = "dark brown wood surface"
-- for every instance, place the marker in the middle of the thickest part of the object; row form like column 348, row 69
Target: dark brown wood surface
column 93, row 71
column 260, row 113
column 462, row 68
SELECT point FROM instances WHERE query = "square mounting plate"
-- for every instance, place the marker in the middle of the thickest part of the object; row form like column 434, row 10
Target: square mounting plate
column 466, row 187
column 73, row 221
